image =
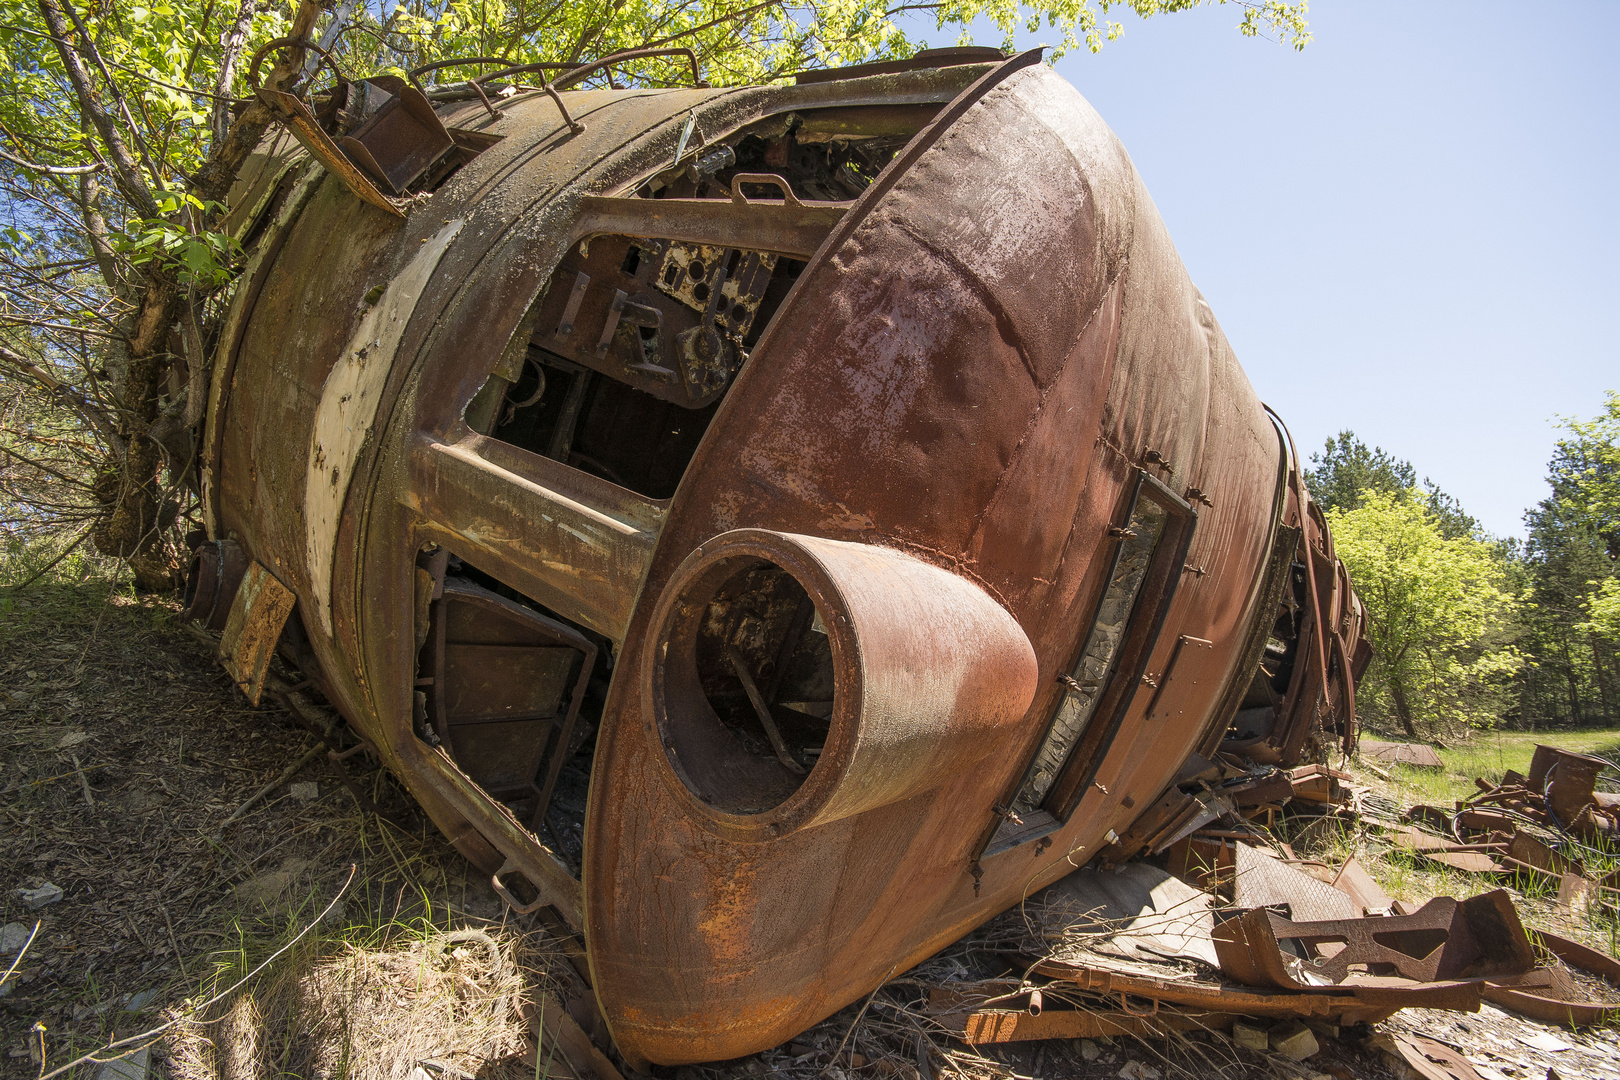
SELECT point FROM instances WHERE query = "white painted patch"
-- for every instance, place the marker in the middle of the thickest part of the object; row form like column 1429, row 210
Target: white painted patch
column 348, row 411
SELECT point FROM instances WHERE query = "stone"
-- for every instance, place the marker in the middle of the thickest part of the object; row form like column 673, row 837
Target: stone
column 133, row 1067
column 1293, row 1040
column 1089, row 1050
column 13, row 936
column 305, row 791
column 38, row 898
column 139, row 1001
column 1250, row 1037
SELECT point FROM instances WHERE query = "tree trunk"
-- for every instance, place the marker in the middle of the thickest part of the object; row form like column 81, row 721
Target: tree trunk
column 1403, row 707
column 1574, row 685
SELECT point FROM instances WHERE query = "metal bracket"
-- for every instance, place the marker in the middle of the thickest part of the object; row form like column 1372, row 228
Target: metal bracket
column 512, row 901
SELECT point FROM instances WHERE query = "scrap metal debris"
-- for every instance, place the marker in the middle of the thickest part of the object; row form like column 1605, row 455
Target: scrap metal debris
column 1534, row 825
column 1236, row 934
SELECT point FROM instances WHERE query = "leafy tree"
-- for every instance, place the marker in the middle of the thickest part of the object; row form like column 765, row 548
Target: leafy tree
column 1438, row 613
column 1573, row 618
column 1585, row 473
column 1572, row 677
column 1603, row 609
column 122, row 125
column 1345, row 471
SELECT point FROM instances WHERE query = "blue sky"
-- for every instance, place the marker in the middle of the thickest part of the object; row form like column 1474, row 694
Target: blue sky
column 1411, row 229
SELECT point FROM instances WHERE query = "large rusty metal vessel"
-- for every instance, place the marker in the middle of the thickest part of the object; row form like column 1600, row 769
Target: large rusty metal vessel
column 777, row 528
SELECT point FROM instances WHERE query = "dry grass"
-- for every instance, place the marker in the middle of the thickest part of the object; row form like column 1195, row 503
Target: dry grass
column 374, row 1010
column 126, row 749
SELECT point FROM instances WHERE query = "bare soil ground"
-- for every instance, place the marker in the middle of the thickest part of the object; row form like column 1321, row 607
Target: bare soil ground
column 126, row 750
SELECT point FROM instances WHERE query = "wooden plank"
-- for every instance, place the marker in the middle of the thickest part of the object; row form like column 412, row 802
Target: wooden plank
column 258, row 614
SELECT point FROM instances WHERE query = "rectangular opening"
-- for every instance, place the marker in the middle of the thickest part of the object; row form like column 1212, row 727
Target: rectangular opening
column 1149, row 548
column 634, row 345
column 514, row 693
column 647, row 320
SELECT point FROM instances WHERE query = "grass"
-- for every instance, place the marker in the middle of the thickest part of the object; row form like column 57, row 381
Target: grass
column 1487, row 756
column 126, row 747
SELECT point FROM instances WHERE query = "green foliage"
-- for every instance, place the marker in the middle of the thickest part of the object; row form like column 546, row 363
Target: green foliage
column 197, row 257
column 742, row 43
column 1346, row 470
column 1438, row 612
column 1585, row 473
column 1603, row 607
column 1572, row 627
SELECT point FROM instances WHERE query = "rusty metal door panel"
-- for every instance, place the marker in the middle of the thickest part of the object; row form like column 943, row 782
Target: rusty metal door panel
column 296, row 333
column 500, row 682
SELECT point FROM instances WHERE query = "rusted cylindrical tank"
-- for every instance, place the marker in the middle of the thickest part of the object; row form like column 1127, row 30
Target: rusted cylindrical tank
column 881, row 519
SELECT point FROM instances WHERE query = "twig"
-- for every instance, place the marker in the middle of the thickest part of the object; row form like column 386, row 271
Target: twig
column 173, row 944
column 286, row 774
column 857, row 1022
column 55, row 170
column 197, row 1009
column 84, row 785
column 37, row 924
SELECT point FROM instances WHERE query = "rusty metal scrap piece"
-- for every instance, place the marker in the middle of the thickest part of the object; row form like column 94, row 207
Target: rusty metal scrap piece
column 1319, row 784
column 988, row 1026
column 1527, row 853
column 1002, row 1011
column 302, row 123
column 556, row 1030
column 1134, row 911
column 1567, row 1007
column 1364, row 1000
column 258, row 613
column 1425, row 1057
column 1264, row 881
column 1446, row 939
column 1369, row 897
column 401, row 138
column 1417, row 755
column 1566, row 780
column 217, row 568
column 1472, row 858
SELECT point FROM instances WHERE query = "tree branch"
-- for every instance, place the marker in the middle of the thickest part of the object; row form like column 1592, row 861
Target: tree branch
column 230, row 51
column 55, row 170
column 213, row 181
column 91, row 413
column 124, row 167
